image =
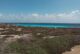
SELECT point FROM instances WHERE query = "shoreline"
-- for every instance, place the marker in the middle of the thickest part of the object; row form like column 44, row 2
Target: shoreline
column 44, row 25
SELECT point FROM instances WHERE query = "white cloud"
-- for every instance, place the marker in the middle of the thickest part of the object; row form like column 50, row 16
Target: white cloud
column 76, row 11
column 35, row 14
column 70, row 17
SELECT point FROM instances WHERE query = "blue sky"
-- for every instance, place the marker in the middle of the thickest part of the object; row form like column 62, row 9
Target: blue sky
column 45, row 11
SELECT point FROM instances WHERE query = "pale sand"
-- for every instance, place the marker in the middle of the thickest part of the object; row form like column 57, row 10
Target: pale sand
column 74, row 50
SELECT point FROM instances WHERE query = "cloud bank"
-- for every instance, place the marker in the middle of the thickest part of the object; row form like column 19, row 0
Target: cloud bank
column 70, row 17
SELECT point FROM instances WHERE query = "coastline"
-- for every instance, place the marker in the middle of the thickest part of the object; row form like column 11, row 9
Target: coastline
column 58, row 39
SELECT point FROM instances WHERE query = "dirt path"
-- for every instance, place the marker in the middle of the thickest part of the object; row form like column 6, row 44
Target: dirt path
column 74, row 50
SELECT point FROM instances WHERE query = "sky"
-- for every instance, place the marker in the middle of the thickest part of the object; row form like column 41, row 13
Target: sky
column 40, row 11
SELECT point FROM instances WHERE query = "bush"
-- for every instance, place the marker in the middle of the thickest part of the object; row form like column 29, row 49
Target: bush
column 31, row 48
column 58, row 45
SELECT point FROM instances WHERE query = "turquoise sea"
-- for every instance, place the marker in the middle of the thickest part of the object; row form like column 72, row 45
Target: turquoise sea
column 50, row 25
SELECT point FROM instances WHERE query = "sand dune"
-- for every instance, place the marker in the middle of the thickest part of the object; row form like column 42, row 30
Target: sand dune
column 74, row 50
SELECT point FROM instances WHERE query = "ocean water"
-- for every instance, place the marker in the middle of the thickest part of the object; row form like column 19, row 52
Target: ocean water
column 50, row 25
